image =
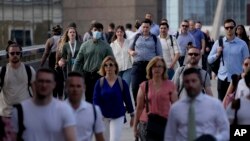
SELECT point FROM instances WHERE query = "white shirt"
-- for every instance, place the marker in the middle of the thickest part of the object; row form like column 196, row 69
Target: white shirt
column 243, row 113
column 169, row 51
column 210, row 118
column 121, row 54
column 44, row 123
column 130, row 34
column 84, row 116
column 242, row 89
column 15, row 88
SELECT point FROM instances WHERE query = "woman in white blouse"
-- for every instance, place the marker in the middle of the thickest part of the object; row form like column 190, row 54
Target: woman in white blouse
column 120, row 47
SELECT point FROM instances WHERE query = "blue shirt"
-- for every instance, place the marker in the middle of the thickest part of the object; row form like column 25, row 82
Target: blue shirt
column 110, row 99
column 183, row 40
column 198, row 37
column 234, row 54
column 146, row 48
column 155, row 29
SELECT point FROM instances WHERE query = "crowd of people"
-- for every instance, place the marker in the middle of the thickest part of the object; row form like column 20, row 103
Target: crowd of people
column 160, row 78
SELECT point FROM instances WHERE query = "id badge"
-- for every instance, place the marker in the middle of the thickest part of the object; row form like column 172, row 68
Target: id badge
column 72, row 61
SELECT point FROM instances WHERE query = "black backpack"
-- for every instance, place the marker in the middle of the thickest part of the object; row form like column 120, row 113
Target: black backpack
column 216, row 64
column 3, row 72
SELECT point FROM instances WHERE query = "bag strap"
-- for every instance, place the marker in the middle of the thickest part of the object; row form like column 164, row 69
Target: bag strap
column 2, row 74
column 237, row 107
column 171, row 39
column 21, row 126
column 28, row 70
column 182, row 85
column 146, row 92
column 221, row 45
column 95, row 117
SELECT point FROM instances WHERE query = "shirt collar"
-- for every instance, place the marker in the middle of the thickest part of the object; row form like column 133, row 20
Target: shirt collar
column 232, row 41
column 198, row 98
column 83, row 105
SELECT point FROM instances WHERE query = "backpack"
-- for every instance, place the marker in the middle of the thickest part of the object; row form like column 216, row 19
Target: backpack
column 139, row 34
column 182, row 86
column 216, row 64
column 3, row 72
column 171, row 39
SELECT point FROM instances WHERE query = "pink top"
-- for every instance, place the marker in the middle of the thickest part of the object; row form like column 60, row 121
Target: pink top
column 159, row 100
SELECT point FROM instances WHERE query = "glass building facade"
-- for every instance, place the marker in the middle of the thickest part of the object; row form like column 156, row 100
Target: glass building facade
column 204, row 11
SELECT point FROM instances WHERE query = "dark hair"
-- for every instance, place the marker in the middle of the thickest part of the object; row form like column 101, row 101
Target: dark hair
column 57, row 30
column 206, row 137
column 112, row 25
column 137, row 24
column 166, row 24
column 186, row 21
column 147, row 21
column 46, row 70
column 247, row 79
column 128, row 26
column 122, row 29
column 244, row 34
column 164, row 20
column 72, row 25
column 199, row 22
column 97, row 25
column 74, row 73
column 12, row 44
column 229, row 21
column 193, row 71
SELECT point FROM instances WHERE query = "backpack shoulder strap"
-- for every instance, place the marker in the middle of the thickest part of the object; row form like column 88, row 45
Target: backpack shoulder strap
column 95, row 117
column 177, row 34
column 2, row 75
column 21, row 126
column 171, row 39
column 221, row 45
column 155, row 39
column 101, row 81
column 146, row 95
column 182, row 86
column 135, row 39
column 28, row 70
column 120, row 82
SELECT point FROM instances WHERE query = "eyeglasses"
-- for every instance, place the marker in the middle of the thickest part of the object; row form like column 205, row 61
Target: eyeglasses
column 184, row 25
column 13, row 53
column 193, row 54
column 158, row 66
column 44, row 81
column 108, row 65
column 229, row 27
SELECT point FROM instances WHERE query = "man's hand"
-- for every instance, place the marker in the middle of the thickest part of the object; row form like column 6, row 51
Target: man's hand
column 132, row 53
column 219, row 51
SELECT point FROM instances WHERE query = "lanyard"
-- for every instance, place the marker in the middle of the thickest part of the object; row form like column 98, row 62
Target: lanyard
column 72, row 49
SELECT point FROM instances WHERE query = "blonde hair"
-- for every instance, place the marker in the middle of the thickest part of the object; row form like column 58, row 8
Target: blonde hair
column 150, row 65
column 102, row 71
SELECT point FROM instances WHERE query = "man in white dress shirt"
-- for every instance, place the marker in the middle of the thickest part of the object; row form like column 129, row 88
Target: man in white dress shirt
column 197, row 114
column 89, row 121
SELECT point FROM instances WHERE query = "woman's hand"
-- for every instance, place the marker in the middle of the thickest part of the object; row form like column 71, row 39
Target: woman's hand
column 132, row 121
column 61, row 63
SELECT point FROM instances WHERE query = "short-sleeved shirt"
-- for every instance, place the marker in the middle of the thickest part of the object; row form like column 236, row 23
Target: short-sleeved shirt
column 159, row 100
column 86, row 122
column 183, row 40
column 169, row 51
column 15, row 88
column 44, row 123
column 198, row 36
column 178, row 80
column 242, row 89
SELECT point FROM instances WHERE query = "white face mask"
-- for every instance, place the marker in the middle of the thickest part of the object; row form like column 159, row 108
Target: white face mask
column 97, row 35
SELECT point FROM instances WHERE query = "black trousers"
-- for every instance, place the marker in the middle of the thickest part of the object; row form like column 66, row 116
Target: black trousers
column 138, row 75
column 222, row 86
column 90, row 80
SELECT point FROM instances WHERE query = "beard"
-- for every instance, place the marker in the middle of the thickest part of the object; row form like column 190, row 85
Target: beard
column 15, row 60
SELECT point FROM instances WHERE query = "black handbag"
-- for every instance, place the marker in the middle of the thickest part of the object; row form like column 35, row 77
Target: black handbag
column 216, row 64
column 156, row 124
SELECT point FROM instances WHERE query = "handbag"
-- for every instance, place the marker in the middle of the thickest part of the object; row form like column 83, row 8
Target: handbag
column 156, row 124
column 216, row 64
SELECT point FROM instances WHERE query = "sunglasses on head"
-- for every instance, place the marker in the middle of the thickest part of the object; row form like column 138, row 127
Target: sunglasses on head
column 229, row 27
column 110, row 65
column 193, row 54
column 13, row 53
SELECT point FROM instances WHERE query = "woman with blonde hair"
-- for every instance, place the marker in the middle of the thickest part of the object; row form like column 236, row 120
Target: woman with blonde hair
column 159, row 93
column 110, row 94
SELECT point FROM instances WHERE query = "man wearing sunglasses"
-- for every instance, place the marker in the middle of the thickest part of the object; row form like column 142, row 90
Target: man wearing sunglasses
column 183, row 38
column 193, row 57
column 15, row 86
column 234, row 52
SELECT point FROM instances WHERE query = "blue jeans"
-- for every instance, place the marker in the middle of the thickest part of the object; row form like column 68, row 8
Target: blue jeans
column 170, row 73
column 126, row 75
